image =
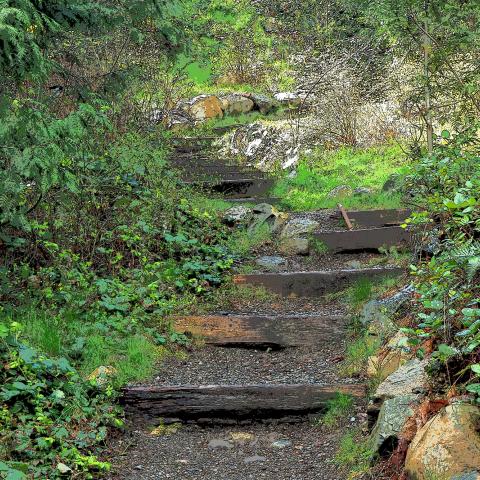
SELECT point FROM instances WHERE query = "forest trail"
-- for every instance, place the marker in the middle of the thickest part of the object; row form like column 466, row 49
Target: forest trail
column 246, row 405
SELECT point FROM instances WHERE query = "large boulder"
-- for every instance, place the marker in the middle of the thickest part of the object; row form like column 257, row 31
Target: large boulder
column 391, row 420
column 447, row 446
column 266, row 213
column 204, row 107
column 235, row 103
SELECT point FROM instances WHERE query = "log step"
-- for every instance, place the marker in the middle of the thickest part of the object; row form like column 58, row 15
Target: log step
column 235, row 402
column 264, row 331
column 365, row 239
column 378, row 218
column 314, row 284
column 247, row 187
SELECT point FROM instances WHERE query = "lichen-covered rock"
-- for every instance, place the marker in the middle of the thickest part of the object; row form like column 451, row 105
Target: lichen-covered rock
column 237, row 214
column 266, row 213
column 409, row 378
column 294, row 246
column 447, row 446
column 298, row 227
column 362, row 191
column 391, row 420
column 204, row 107
column 271, row 262
column 102, row 374
column 235, row 103
column 288, row 98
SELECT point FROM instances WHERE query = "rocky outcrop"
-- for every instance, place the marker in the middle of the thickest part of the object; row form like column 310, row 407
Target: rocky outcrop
column 235, row 103
column 391, row 419
column 447, row 446
column 203, row 107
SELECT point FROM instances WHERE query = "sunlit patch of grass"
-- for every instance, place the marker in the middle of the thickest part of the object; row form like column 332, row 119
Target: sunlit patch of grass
column 323, row 170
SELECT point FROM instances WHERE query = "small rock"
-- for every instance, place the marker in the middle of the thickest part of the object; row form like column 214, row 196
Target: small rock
column 271, row 262
column 102, row 374
column 294, row 246
column 340, row 191
column 266, row 213
column 218, row 444
column 255, row 459
column 241, row 437
column 298, row 227
column 282, row 443
column 362, row 191
column 237, row 214
column 448, row 445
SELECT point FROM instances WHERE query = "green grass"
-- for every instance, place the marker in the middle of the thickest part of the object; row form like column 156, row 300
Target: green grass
column 322, row 171
column 337, row 408
column 243, row 241
column 87, row 346
column 355, row 453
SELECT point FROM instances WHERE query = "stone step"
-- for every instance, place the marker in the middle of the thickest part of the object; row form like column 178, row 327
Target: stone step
column 365, row 239
column 314, row 284
column 217, row 403
column 377, row 218
column 262, row 331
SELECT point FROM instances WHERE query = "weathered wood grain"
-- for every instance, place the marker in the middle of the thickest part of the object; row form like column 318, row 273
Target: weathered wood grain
column 378, row 218
column 365, row 239
column 313, row 284
column 264, row 331
column 233, row 401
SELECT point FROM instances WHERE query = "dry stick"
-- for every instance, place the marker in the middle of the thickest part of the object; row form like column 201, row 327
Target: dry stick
column 345, row 216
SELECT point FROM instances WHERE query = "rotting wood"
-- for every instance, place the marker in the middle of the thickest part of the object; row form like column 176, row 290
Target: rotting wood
column 233, row 401
column 365, row 239
column 345, row 216
column 313, row 284
column 264, row 331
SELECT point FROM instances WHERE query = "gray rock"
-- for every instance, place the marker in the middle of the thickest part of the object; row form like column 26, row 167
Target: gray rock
column 282, row 443
column 255, row 459
column 288, row 98
column 218, row 444
column 270, row 262
column 263, row 103
column 236, row 103
column 410, row 378
column 294, row 246
column 340, row 191
column 298, row 228
column 391, row 420
column 266, row 213
column 362, row 191
column 237, row 214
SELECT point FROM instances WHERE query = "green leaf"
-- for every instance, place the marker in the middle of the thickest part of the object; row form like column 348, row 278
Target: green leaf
column 476, row 368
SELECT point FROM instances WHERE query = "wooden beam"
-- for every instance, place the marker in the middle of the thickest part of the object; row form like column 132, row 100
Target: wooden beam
column 233, row 401
column 365, row 239
column 379, row 218
column 345, row 216
column 264, row 331
column 314, row 284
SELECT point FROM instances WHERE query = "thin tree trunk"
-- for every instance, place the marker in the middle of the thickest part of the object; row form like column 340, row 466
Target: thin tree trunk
column 427, row 45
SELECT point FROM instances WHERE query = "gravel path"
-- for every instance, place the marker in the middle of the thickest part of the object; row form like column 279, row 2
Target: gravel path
column 235, row 366
column 269, row 451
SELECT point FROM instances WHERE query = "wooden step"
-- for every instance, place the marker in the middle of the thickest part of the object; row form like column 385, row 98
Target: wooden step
column 378, row 218
column 365, row 239
column 264, row 331
column 314, row 284
column 234, row 402
column 238, row 188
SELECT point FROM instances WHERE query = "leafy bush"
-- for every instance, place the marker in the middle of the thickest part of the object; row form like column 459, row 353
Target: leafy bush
column 447, row 185
column 51, row 419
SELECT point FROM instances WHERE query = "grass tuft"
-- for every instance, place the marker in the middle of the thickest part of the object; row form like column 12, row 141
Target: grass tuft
column 337, row 408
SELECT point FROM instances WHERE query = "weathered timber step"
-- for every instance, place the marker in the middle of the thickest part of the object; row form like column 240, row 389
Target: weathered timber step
column 234, row 402
column 247, row 187
column 378, row 218
column 256, row 200
column 365, row 239
column 314, row 284
column 264, row 331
